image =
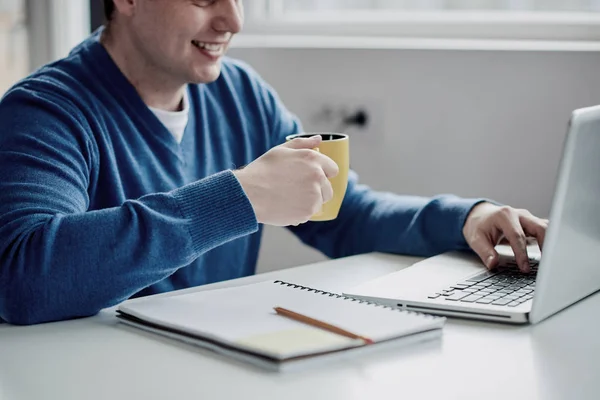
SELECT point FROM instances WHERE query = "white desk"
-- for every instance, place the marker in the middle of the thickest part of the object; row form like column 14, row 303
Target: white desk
column 96, row 358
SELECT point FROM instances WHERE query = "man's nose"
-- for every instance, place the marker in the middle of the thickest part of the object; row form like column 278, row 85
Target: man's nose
column 230, row 16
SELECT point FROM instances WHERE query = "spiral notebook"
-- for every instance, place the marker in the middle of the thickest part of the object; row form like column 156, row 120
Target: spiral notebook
column 240, row 322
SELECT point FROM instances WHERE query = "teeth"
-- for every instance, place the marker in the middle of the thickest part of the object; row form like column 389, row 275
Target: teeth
column 212, row 47
column 207, row 46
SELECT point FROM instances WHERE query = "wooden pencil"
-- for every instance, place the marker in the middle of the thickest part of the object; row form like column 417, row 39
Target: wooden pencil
column 320, row 324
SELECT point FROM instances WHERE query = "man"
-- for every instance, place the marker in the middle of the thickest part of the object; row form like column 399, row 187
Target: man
column 118, row 173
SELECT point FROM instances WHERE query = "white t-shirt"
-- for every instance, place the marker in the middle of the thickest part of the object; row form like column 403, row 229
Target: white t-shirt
column 175, row 121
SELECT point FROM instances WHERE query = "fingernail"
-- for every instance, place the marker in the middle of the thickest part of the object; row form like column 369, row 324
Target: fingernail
column 489, row 261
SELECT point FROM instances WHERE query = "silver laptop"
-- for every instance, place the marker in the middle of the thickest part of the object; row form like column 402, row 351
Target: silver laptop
column 457, row 284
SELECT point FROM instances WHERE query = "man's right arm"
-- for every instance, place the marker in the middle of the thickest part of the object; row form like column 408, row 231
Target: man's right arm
column 57, row 259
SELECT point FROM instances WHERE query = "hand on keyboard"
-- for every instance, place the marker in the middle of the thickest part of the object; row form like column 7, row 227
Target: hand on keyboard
column 487, row 224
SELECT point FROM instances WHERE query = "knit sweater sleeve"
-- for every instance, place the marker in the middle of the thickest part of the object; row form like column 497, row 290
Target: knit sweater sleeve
column 57, row 259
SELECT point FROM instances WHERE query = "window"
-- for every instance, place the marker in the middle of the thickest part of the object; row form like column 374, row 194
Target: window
column 33, row 33
column 14, row 54
column 288, row 6
column 565, row 20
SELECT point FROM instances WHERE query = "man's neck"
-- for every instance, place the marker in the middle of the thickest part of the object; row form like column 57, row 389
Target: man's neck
column 154, row 88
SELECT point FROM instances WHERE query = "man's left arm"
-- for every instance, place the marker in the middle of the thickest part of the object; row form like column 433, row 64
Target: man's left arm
column 420, row 226
column 386, row 222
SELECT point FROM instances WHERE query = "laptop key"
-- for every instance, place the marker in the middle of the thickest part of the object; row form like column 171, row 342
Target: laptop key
column 471, row 299
column 491, row 298
column 457, row 296
column 511, row 297
column 513, row 304
column 484, row 300
column 478, row 284
column 481, row 277
column 494, row 296
column 501, row 302
column 460, row 286
column 434, row 296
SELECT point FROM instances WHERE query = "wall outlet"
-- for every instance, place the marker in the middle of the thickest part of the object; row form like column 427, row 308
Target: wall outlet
column 360, row 117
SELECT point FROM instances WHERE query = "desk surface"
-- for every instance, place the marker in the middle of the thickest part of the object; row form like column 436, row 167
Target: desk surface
column 96, row 358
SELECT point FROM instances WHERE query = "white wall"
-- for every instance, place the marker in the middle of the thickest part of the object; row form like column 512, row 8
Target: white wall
column 472, row 123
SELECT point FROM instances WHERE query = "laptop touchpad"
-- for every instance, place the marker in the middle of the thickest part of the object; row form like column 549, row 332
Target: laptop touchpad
column 423, row 278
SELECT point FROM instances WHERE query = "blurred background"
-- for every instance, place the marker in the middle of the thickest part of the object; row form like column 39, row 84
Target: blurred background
column 439, row 96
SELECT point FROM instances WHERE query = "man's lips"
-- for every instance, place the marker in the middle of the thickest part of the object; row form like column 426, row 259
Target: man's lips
column 214, row 49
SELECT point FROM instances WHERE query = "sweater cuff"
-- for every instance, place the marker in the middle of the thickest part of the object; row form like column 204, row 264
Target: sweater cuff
column 218, row 210
column 453, row 213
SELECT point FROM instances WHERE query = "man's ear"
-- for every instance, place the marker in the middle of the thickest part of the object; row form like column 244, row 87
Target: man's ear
column 125, row 7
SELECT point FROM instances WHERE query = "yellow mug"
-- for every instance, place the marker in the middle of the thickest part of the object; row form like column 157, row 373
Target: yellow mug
column 337, row 147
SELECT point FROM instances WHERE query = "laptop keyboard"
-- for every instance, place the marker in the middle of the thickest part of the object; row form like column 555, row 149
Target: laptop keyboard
column 505, row 286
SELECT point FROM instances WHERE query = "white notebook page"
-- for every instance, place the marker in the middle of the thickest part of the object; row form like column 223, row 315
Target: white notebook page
column 236, row 314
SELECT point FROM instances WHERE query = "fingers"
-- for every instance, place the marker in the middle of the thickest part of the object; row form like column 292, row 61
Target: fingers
column 485, row 226
column 326, row 194
column 484, row 248
column 513, row 231
column 535, row 227
column 304, row 143
column 329, row 166
column 326, row 189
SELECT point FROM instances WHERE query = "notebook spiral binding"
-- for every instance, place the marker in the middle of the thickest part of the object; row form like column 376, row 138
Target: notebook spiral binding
column 359, row 301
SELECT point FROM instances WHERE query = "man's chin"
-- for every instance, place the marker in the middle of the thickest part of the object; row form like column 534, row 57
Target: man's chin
column 207, row 75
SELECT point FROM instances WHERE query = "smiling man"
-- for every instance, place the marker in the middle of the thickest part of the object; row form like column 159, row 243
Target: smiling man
column 118, row 173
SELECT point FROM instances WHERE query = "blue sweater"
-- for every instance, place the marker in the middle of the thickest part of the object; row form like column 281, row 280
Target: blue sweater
column 98, row 203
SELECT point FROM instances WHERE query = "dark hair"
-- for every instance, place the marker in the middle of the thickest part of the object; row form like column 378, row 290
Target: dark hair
column 109, row 9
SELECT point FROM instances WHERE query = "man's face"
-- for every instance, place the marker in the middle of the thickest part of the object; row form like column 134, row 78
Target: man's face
column 185, row 39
